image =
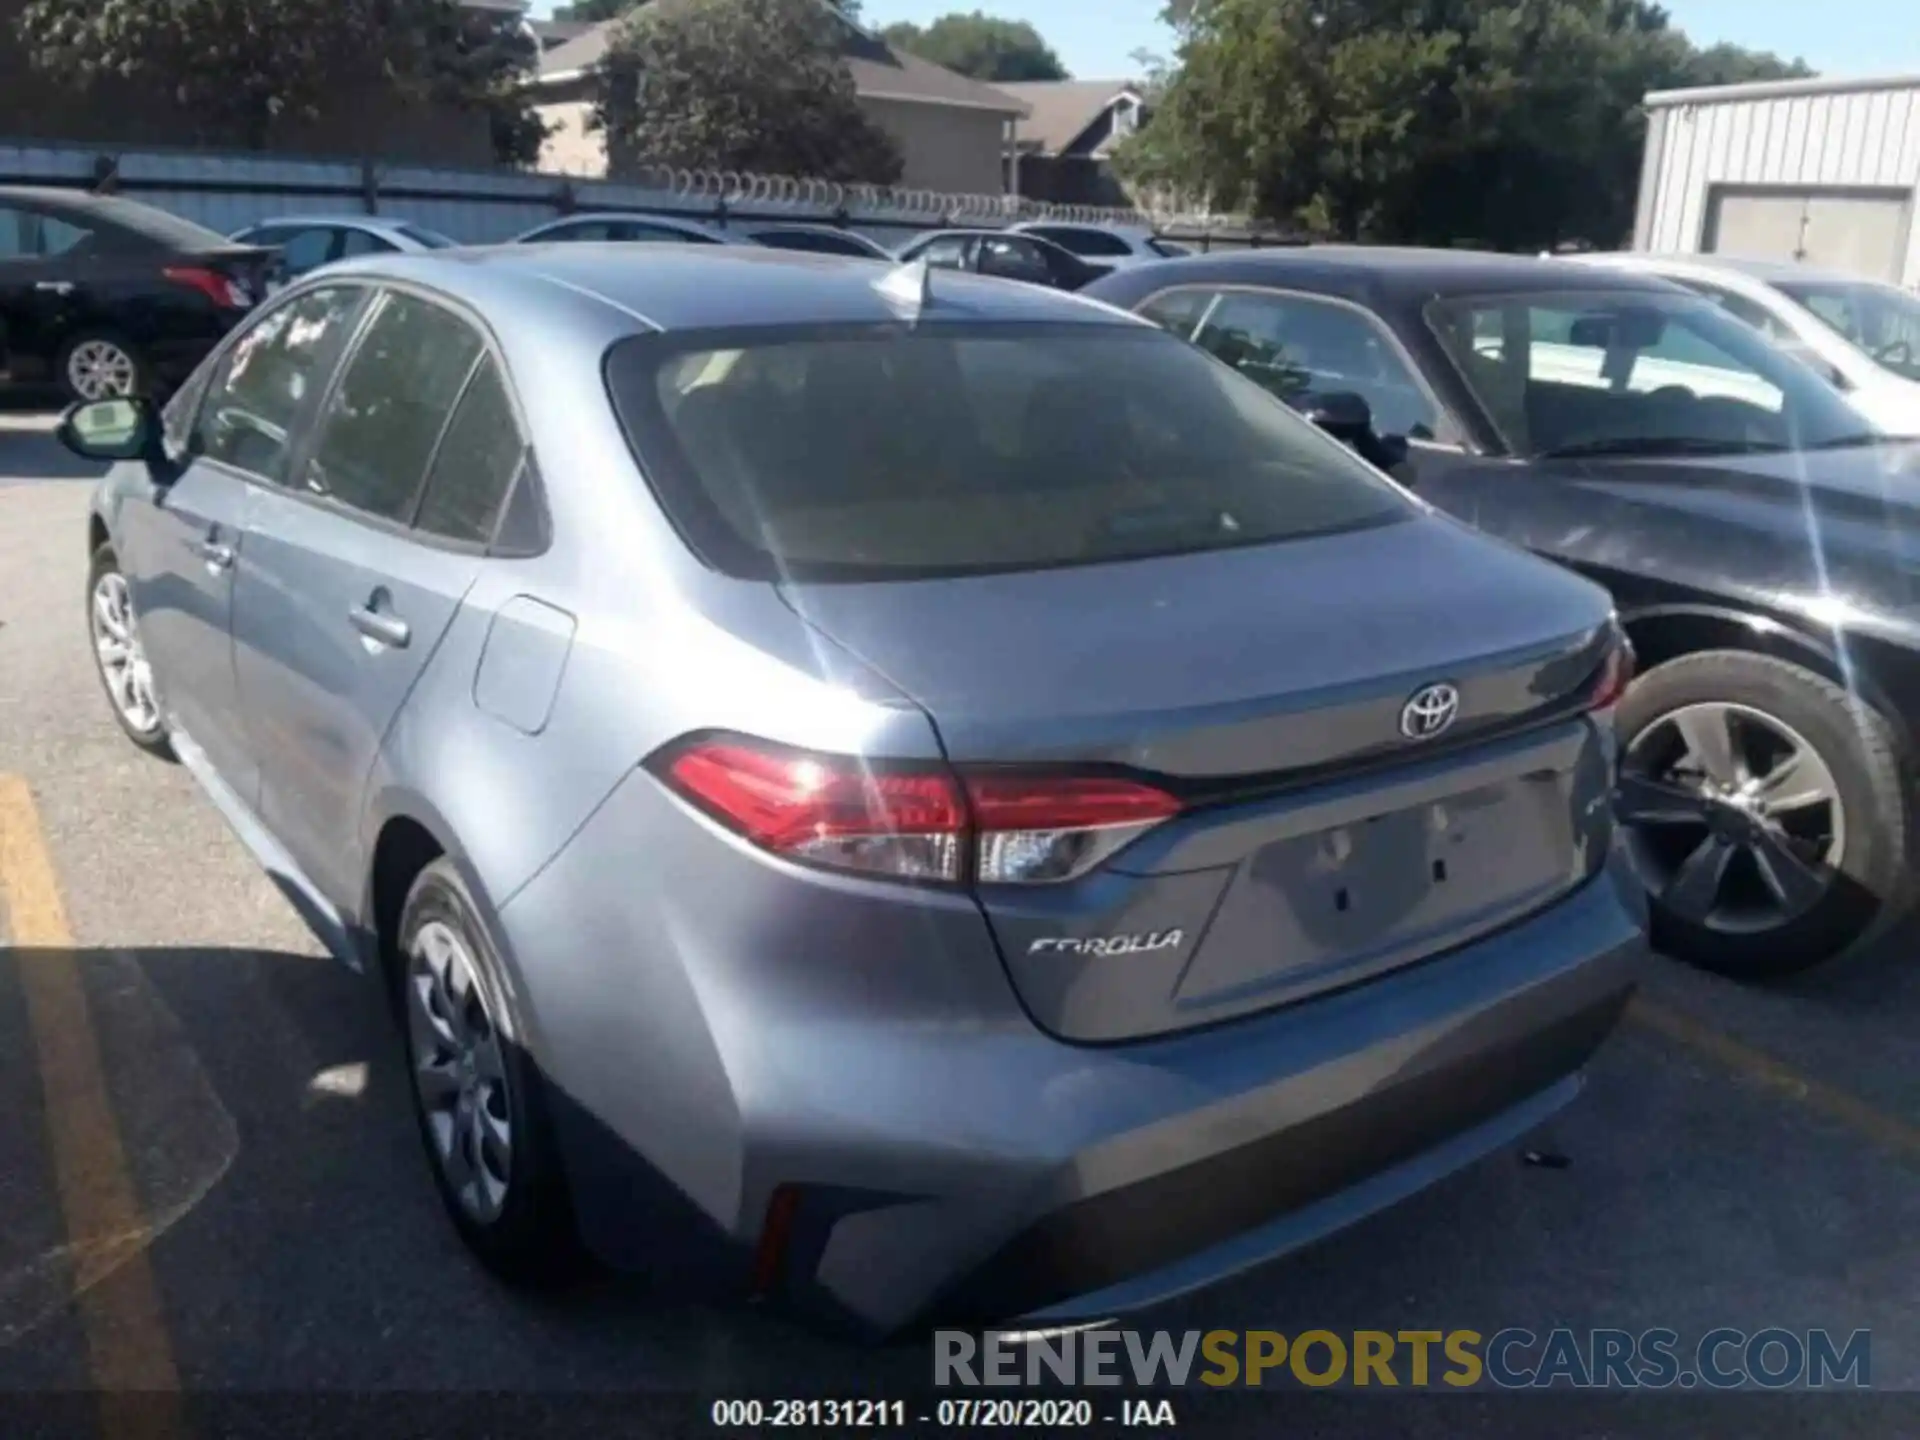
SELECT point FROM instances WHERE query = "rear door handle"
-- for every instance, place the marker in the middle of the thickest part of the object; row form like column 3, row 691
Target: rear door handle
column 56, row 287
column 217, row 556
column 380, row 625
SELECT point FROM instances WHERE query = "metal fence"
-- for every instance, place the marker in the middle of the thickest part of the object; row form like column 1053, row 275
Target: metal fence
column 226, row 192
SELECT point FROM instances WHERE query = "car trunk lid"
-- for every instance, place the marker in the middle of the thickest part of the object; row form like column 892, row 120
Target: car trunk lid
column 1266, row 688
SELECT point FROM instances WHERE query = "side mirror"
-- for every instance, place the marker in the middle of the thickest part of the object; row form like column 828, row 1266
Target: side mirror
column 1341, row 413
column 126, row 428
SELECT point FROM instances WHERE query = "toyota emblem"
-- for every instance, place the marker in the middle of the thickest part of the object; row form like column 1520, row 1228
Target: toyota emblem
column 1430, row 712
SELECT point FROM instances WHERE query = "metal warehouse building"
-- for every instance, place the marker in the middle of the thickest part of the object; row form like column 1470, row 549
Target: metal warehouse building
column 1826, row 171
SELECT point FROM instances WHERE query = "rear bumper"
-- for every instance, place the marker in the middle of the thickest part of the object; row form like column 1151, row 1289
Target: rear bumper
column 946, row 1159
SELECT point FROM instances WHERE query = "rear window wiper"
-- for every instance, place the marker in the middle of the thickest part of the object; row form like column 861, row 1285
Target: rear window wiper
column 1663, row 445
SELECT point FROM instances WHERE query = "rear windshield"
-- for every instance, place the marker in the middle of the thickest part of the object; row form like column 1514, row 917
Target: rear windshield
column 889, row 452
column 153, row 225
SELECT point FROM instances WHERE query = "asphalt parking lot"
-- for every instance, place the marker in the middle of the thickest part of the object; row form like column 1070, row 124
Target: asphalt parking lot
column 209, row 1180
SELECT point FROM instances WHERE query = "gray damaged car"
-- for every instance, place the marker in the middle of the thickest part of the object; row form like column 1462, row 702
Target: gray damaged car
column 910, row 795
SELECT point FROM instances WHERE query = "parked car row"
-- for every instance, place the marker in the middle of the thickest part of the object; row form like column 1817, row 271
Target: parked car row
column 104, row 296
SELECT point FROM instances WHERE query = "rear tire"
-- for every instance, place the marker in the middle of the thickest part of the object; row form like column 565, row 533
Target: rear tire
column 477, row 1096
column 119, row 660
column 1799, row 877
column 100, row 365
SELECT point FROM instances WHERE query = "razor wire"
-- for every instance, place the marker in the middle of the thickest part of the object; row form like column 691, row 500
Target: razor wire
column 737, row 189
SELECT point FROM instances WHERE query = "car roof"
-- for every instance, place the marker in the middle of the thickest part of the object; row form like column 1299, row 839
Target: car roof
column 802, row 227
column 1400, row 272
column 1122, row 232
column 667, row 286
column 128, row 213
column 384, row 224
column 1753, row 267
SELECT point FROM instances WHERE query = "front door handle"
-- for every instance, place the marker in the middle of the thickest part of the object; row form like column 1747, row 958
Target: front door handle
column 217, row 556
column 380, row 625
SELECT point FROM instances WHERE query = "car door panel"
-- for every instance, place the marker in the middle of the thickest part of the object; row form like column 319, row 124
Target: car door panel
column 182, row 550
column 179, row 553
column 38, row 295
column 340, row 605
column 335, row 620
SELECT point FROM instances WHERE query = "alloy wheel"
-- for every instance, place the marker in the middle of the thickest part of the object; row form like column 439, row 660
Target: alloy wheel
column 122, row 661
column 1734, row 821
column 100, row 370
column 459, row 1072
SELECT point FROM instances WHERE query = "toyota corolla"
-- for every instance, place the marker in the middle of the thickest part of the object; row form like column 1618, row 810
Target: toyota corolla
column 893, row 791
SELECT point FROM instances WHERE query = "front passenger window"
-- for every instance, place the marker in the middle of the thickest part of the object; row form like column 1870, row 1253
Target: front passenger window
column 372, row 444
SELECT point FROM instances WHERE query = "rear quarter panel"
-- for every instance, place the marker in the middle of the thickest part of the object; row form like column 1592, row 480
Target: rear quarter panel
column 651, row 646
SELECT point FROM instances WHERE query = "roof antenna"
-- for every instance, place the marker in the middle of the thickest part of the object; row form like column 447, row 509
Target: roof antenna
column 909, row 285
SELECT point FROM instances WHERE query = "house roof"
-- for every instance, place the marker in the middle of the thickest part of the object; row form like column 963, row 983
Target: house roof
column 552, row 33
column 880, row 72
column 1061, row 110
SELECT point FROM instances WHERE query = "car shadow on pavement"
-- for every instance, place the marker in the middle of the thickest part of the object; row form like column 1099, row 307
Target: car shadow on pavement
column 295, row 1232
column 28, row 452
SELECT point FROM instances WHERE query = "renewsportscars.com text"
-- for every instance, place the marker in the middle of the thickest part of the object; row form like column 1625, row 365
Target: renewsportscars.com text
column 1721, row 1359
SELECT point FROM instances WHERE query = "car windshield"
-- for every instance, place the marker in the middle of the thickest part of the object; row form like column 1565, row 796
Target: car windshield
column 1168, row 249
column 1877, row 319
column 1634, row 372
column 432, row 239
column 861, row 453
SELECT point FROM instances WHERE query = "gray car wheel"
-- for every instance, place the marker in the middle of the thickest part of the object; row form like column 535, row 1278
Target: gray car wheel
column 99, row 366
column 476, row 1092
column 119, row 658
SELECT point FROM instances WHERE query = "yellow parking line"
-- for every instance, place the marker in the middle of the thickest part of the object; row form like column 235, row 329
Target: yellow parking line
column 1888, row 1131
column 129, row 1352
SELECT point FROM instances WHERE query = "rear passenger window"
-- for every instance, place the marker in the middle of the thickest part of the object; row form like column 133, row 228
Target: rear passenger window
column 392, row 402
column 267, row 379
column 476, row 463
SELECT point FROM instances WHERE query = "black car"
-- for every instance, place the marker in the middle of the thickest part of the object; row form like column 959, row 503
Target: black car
column 1006, row 254
column 105, row 296
column 1761, row 543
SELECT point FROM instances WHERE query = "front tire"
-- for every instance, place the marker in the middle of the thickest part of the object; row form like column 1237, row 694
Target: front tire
column 1765, row 809
column 476, row 1094
column 119, row 659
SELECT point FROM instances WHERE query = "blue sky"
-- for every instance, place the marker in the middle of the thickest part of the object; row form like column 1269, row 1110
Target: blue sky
column 1096, row 37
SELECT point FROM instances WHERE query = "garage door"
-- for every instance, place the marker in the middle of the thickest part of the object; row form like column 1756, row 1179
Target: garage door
column 1860, row 234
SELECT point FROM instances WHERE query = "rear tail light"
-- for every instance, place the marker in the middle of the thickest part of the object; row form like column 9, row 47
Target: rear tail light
column 914, row 823
column 222, row 291
column 1038, row 828
column 1615, row 672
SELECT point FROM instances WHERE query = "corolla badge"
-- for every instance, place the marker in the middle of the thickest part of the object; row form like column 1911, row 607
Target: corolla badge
column 1430, row 712
column 1108, row 944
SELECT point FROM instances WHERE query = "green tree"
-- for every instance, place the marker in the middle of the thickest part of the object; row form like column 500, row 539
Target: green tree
column 980, row 45
column 752, row 85
column 1509, row 123
column 244, row 68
